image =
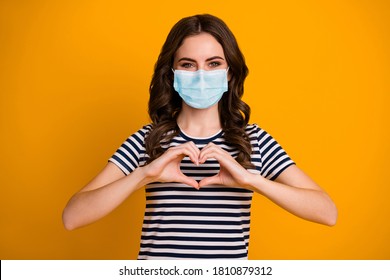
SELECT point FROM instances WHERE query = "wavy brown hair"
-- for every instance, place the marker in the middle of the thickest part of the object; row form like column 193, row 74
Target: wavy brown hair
column 165, row 104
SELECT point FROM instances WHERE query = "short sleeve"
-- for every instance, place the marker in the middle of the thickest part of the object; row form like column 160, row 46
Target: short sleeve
column 131, row 153
column 274, row 159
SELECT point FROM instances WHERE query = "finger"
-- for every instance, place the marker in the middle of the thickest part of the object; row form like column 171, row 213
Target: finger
column 189, row 146
column 192, row 144
column 185, row 150
column 213, row 180
column 210, row 153
column 188, row 181
column 211, row 148
column 195, row 149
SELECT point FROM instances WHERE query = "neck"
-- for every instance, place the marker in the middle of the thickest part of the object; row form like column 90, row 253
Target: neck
column 199, row 122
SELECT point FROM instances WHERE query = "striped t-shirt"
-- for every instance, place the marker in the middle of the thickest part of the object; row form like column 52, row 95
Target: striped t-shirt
column 181, row 222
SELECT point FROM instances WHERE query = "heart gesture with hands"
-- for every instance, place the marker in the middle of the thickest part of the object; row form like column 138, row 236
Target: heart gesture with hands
column 231, row 173
column 166, row 168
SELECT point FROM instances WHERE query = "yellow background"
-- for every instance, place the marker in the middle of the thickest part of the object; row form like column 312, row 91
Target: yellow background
column 74, row 79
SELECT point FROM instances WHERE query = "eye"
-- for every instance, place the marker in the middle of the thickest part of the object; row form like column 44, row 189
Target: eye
column 186, row 65
column 214, row 64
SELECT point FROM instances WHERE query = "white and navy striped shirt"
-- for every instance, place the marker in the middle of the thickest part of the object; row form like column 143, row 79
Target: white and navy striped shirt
column 181, row 222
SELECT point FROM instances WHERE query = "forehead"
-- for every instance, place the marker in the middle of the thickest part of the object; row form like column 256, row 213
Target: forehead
column 200, row 47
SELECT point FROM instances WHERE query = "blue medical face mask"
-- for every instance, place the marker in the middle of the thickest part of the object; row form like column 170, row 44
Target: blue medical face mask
column 201, row 89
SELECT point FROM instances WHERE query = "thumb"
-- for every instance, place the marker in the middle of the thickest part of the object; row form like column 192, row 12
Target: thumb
column 213, row 180
column 187, row 180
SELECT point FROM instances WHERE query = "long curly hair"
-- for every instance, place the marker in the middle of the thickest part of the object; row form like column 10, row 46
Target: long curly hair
column 165, row 104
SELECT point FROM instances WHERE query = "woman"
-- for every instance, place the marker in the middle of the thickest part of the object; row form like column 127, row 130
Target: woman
column 199, row 158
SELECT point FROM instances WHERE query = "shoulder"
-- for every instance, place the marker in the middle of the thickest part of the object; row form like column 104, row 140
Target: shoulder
column 142, row 132
column 146, row 129
column 137, row 138
column 261, row 136
column 253, row 130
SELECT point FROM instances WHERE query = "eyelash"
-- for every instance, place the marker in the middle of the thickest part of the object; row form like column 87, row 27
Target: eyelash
column 215, row 63
column 186, row 65
column 211, row 64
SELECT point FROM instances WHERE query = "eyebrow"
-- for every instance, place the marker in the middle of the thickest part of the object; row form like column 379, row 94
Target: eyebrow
column 193, row 60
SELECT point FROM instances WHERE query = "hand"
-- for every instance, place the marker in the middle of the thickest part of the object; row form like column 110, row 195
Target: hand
column 231, row 173
column 166, row 168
